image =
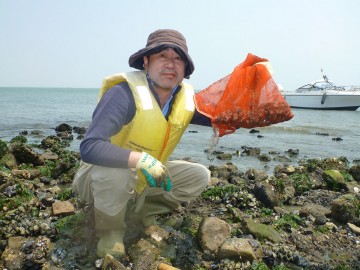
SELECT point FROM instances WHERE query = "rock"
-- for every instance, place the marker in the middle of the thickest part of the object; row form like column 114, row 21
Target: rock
column 264, row 158
column 36, row 133
column 262, row 231
column 212, row 233
column 331, row 226
column 51, row 142
column 3, row 148
column 15, row 243
column 61, row 208
column 222, row 173
column 319, row 212
column 282, row 158
column 49, row 155
column 55, row 190
column 265, row 193
column 36, row 251
column 65, row 135
column 334, row 180
column 79, row 130
column 214, row 181
column 250, row 151
column 80, row 137
column 50, row 266
column 355, row 229
column 26, row 174
column 346, row 209
column 286, row 169
column 4, row 177
column 156, row 233
column 163, row 266
column 340, row 164
column 353, row 187
column 111, row 263
column 144, row 254
column 9, row 161
column 256, row 175
column 289, row 169
column 10, row 191
column 13, row 257
column 355, row 172
column 24, row 154
column 280, row 210
column 240, row 249
column 287, row 193
column 292, row 152
column 224, row 156
column 182, row 249
column 231, row 168
column 63, row 128
column 317, row 196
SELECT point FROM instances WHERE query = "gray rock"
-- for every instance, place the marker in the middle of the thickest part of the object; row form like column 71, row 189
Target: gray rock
column 355, row 229
column 345, row 209
column 62, row 208
column 111, row 263
column 144, row 254
column 262, row 231
column 240, row 249
column 265, row 193
column 319, row 213
column 24, row 154
column 13, row 257
column 355, row 172
column 212, row 233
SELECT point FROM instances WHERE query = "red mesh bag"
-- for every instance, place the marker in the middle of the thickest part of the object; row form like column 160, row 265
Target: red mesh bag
column 248, row 98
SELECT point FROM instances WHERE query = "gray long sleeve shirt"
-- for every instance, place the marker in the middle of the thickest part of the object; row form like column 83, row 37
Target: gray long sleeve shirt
column 115, row 109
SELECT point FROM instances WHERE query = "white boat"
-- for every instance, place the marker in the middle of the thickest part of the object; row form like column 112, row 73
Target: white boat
column 324, row 95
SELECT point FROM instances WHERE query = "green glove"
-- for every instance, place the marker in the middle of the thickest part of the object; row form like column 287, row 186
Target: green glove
column 155, row 172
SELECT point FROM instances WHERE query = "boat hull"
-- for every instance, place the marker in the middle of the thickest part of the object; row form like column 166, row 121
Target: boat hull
column 323, row 101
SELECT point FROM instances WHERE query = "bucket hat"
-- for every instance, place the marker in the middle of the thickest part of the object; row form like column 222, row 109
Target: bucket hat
column 159, row 40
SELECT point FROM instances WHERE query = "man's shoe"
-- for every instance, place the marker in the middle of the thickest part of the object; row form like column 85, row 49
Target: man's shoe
column 111, row 230
column 111, row 242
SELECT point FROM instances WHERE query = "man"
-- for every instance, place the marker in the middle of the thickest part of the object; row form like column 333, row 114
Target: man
column 139, row 120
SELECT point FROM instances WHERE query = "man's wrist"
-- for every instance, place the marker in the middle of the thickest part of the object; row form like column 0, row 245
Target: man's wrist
column 134, row 158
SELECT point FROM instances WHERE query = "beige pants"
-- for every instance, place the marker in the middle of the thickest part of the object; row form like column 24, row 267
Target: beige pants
column 109, row 189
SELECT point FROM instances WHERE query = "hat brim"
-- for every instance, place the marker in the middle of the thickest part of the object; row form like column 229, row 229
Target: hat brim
column 137, row 59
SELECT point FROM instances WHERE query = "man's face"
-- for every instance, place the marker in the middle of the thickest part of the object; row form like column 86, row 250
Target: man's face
column 166, row 69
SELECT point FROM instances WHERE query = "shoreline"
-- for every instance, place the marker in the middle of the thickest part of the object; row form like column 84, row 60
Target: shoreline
column 243, row 156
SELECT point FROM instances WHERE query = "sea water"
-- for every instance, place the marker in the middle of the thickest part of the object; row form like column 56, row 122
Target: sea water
column 315, row 133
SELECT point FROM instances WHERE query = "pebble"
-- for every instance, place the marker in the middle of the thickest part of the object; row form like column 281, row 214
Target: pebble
column 355, row 229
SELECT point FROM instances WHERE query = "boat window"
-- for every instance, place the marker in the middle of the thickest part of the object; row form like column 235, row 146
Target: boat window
column 322, row 85
column 306, row 87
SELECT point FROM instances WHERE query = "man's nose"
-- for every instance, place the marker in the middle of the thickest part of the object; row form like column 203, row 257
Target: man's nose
column 170, row 61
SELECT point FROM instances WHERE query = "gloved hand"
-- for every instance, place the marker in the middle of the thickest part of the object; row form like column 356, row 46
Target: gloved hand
column 155, row 172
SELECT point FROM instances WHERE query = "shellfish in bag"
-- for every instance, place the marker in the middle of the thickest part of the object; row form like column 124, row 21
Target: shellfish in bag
column 247, row 98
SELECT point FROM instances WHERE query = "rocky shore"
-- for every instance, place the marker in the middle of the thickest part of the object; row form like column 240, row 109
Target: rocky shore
column 301, row 217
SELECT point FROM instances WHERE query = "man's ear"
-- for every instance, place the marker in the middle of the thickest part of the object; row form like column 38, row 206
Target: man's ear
column 146, row 62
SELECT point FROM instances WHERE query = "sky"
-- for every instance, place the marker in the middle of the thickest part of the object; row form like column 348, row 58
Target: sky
column 67, row 43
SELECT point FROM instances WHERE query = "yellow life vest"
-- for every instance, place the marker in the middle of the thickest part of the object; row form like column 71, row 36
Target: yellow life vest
column 149, row 131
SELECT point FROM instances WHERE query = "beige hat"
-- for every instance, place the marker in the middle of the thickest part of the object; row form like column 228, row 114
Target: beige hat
column 160, row 40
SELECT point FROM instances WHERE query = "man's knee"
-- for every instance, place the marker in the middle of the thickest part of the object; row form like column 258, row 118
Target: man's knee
column 201, row 180
column 204, row 176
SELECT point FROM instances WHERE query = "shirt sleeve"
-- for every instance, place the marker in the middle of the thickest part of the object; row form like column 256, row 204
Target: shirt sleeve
column 115, row 109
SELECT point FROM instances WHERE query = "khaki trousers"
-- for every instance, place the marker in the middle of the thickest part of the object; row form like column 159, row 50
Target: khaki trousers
column 109, row 189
